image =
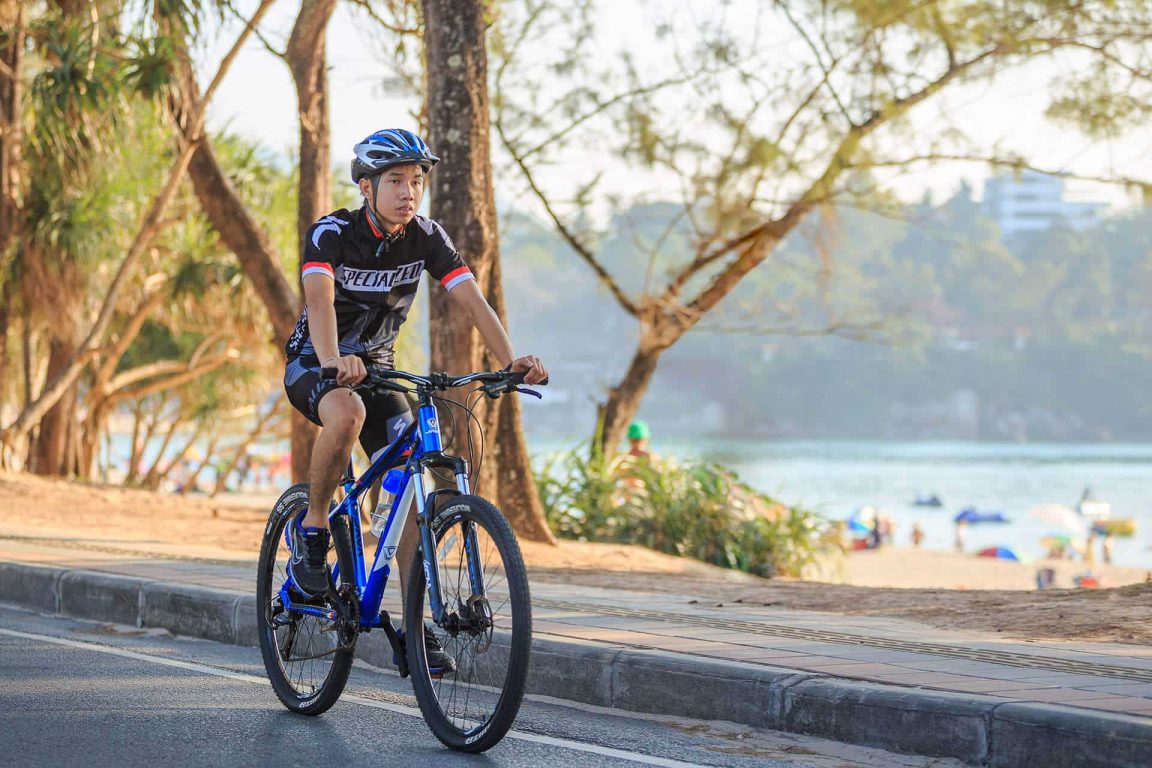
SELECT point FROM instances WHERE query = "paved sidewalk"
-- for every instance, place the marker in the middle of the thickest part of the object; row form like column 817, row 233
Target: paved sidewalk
column 884, row 682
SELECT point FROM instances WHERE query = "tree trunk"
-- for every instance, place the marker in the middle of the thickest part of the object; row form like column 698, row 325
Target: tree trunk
column 253, row 248
column 48, row 455
column 619, row 409
column 137, row 448
column 151, row 479
column 26, row 353
column 182, row 454
column 208, row 453
column 11, row 179
column 92, row 431
column 306, row 59
column 308, row 62
column 464, row 202
column 5, row 320
column 11, row 133
column 244, row 237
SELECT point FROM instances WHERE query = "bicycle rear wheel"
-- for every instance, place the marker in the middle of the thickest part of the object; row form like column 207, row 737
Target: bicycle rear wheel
column 308, row 658
column 488, row 634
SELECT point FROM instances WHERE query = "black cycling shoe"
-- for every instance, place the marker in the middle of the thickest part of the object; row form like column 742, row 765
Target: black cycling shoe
column 308, row 565
column 439, row 662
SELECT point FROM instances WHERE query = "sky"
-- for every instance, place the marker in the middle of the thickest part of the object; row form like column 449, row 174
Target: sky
column 257, row 100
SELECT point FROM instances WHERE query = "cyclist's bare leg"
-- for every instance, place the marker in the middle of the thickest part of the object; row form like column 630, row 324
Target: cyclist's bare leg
column 342, row 414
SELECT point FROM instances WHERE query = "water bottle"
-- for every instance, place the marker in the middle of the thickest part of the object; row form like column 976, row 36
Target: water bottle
column 393, row 480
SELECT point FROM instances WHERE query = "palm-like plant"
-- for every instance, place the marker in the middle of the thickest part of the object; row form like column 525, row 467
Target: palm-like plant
column 692, row 509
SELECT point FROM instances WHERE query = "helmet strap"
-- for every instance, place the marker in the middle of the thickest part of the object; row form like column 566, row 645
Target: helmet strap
column 377, row 226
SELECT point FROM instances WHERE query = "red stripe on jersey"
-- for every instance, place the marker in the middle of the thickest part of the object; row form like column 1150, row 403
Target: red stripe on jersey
column 318, row 265
column 454, row 274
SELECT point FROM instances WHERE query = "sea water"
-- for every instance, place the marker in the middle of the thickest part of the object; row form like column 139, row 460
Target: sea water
column 836, row 478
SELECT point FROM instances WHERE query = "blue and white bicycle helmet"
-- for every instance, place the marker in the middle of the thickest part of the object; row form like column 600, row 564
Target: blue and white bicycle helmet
column 391, row 146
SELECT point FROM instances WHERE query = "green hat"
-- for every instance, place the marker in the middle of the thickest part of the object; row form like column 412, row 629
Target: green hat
column 638, row 430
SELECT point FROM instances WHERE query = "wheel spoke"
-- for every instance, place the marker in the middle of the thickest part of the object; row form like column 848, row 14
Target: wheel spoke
column 302, row 683
column 491, row 645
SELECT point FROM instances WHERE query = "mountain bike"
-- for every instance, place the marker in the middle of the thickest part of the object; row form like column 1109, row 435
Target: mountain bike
column 467, row 583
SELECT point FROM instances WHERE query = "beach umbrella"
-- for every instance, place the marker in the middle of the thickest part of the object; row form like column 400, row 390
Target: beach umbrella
column 1058, row 516
column 858, row 526
column 1001, row 553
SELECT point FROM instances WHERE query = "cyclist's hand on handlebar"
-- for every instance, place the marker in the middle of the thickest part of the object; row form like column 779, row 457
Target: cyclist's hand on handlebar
column 349, row 369
column 533, row 370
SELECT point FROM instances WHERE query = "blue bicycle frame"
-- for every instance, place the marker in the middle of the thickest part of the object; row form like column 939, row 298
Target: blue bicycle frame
column 421, row 444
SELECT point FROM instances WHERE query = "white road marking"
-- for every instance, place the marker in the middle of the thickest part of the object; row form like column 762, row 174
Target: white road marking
column 533, row 738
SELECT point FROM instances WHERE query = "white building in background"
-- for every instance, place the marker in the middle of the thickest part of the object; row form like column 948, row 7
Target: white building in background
column 1033, row 202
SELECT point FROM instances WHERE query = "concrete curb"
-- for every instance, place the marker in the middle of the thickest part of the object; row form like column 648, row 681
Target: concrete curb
column 978, row 730
column 1026, row 735
column 922, row 722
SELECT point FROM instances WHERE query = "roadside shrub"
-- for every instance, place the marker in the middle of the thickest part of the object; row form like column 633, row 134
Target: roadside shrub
column 692, row 509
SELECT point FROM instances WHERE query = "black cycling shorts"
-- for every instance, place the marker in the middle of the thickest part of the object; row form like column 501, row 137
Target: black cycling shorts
column 388, row 413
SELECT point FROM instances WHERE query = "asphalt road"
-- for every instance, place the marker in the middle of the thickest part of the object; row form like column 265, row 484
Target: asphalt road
column 75, row 693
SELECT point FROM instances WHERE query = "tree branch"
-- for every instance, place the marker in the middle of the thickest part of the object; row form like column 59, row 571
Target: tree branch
column 581, row 250
column 866, row 331
column 759, row 239
column 1018, row 164
column 127, row 336
column 171, row 382
column 533, row 16
column 255, row 32
column 827, row 70
column 605, row 105
column 366, row 6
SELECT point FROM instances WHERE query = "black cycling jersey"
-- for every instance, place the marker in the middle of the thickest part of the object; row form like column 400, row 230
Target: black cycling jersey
column 377, row 276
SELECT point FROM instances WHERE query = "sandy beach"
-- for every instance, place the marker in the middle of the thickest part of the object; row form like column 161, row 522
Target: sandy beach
column 905, row 567
column 940, row 588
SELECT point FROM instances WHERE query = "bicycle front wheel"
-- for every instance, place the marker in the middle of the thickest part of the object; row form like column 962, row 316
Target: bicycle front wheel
column 486, row 626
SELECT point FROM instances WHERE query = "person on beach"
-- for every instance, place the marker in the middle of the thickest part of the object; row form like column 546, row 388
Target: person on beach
column 638, row 436
column 361, row 270
column 917, row 535
column 628, row 468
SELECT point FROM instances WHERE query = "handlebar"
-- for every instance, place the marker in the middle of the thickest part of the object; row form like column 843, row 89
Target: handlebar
column 497, row 382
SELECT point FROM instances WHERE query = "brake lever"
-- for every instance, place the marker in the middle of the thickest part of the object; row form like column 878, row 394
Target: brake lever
column 526, row 391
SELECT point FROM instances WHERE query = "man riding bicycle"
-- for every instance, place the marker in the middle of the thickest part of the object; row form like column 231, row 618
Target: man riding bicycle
column 361, row 270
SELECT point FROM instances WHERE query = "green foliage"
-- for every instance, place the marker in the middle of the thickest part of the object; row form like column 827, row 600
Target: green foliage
column 691, row 509
column 264, row 184
column 150, row 70
column 1098, row 105
column 76, row 95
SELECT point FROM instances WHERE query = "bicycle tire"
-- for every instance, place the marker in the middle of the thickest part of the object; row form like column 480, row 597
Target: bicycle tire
column 308, row 686
column 472, row 709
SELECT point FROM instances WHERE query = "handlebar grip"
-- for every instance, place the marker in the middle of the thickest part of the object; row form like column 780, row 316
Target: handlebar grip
column 372, row 382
